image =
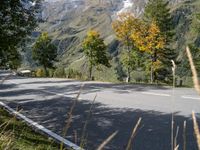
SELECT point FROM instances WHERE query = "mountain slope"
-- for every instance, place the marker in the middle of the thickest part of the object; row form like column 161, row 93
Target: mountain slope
column 68, row 21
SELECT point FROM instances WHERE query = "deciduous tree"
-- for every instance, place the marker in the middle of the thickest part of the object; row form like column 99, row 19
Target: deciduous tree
column 149, row 39
column 44, row 51
column 95, row 51
column 124, row 26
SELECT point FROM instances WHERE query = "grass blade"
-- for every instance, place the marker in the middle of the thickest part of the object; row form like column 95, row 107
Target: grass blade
column 196, row 130
column 107, row 140
column 69, row 120
column 194, row 71
column 133, row 134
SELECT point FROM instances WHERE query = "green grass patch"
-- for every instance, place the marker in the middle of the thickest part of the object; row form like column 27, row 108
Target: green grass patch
column 17, row 135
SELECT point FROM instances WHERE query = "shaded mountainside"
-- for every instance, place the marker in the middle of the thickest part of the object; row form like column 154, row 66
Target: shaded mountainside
column 68, row 21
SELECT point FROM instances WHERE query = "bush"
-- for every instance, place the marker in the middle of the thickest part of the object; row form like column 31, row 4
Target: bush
column 138, row 76
column 50, row 72
column 60, row 72
column 40, row 73
column 71, row 73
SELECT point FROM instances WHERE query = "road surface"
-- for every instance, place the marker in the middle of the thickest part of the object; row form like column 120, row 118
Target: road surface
column 117, row 108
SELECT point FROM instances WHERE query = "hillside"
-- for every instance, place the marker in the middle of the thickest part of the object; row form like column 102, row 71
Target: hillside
column 68, row 21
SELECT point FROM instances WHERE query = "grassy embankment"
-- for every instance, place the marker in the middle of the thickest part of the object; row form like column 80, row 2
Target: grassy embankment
column 17, row 135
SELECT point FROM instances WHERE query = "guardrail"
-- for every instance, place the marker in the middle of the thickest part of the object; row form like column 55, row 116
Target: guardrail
column 42, row 129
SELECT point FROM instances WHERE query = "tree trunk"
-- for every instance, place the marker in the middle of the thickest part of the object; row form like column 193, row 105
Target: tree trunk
column 128, row 69
column 90, row 71
column 128, row 76
column 151, row 72
column 45, row 71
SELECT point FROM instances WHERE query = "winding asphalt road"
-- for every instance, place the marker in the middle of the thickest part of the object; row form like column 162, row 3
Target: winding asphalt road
column 117, row 107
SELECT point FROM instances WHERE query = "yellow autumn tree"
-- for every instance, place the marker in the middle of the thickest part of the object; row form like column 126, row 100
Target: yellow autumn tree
column 149, row 39
column 124, row 26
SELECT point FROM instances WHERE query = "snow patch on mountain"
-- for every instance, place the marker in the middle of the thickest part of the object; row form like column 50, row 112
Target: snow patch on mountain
column 128, row 4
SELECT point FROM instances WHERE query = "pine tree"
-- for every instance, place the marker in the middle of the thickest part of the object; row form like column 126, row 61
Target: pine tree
column 158, row 11
column 44, row 52
column 95, row 50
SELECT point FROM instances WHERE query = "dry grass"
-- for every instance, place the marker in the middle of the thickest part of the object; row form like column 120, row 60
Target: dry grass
column 105, row 142
column 175, row 139
column 69, row 118
column 130, row 141
column 196, row 129
column 197, row 88
column 184, row 135
column 83, row 136
column 194, row 71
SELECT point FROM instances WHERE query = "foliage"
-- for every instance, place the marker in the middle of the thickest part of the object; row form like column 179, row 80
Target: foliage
column 40, row 73
column 131, row 60
column 60, row 72
column 16, row 22
column 72, row 73
column 184, row 67
column 95, row 50
column 16, row 135
column 44, row 52
column 124, row 27
column 150, row 40
column 50, row 72
column 196, row 23
column 158, row 12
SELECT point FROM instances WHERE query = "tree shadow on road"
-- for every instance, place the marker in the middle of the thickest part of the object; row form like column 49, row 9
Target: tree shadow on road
column 153, row 133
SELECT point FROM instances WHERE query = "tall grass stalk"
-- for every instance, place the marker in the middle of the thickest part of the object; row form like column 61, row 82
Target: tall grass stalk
column 69, row 118
column 197, row 88
column 83, row 136
column 184, row 135
column 194, row 71
column 105, row 142
column 175, row 139
column 196, row 130
column 130, row 141
column 172, row 104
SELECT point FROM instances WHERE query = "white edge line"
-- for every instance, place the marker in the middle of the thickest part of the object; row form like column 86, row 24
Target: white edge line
column 156, row 94
column 42, row 128
column 188, row 97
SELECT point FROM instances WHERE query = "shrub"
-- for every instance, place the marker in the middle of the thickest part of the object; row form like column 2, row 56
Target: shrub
column 40, row 73
column 50, row 72
column 60, row 72
column 71, row 73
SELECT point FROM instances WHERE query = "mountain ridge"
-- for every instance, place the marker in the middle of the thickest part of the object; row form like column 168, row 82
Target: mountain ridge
column 67, row 22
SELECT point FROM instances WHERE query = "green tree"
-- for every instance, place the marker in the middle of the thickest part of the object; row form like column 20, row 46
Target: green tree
column 17, row 20
column 158, row 11
column 184, row 66
column 44, row 52
column 95, row 50
column 124, row 26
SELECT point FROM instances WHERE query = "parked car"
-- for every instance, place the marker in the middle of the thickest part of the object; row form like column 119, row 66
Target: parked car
column 24, row 73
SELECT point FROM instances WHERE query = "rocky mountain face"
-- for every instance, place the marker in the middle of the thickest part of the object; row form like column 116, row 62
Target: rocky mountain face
column 68, row 21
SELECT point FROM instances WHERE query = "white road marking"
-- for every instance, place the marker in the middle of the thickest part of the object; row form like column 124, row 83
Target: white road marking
column 59, row 94
column 189, row 97
column 156, row 94
column 42, row 128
